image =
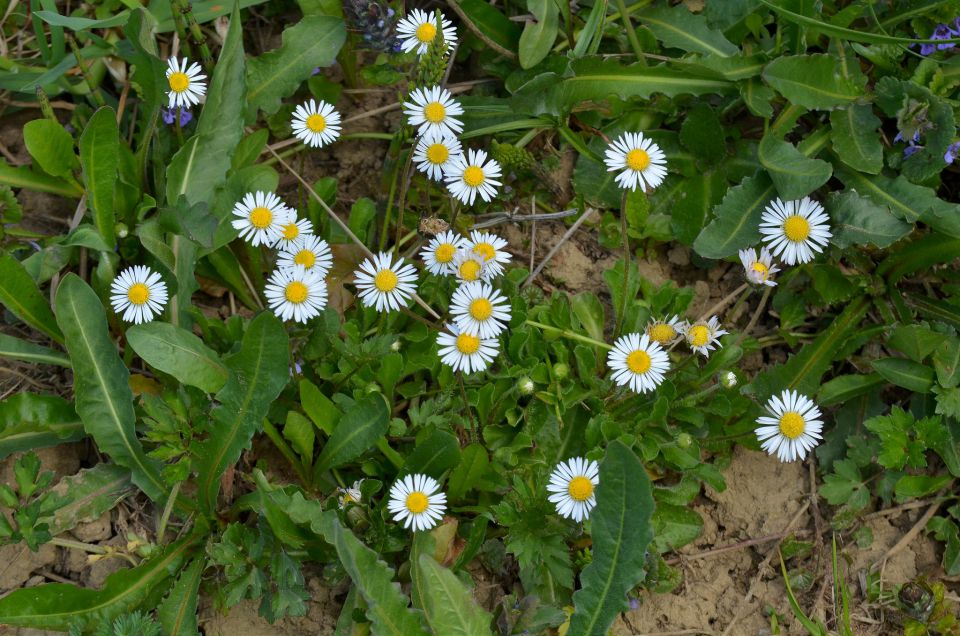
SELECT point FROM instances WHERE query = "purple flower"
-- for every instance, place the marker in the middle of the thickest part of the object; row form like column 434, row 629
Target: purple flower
column 910, row 150
column 634, row 603
column 953, row 151
column 940, row 32
column 315, row 71
column 170, row 114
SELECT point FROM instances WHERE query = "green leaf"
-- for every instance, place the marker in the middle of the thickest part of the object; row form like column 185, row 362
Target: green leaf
column 358, row 431
column 621, row 528
column 449, row 607
column 856, row 138
column 27, row 351
column 58, row 606
column 589, row 311
column 104, row 400
column 675, row 526
column 906, row 373
column 51, row 146
column 178, row 611
column 434, row 455
column 677, row 28
column 29, row 421
column 300, row 432
column 540, row 33
column 85, row 496
column 736, row 222
column 846, row 387
column 319, row 407
column 919, row 486
column 26, row 177
column 82, row 24
column 471, row 469
column 99, row 158
column 178, row 352
column 258, row 372
column 491, row 22
column 312, row 42
column 20, row 294
column 946, row 362
column 914, row 341
column 794, row 174
column 857, row 220
column 812, row 81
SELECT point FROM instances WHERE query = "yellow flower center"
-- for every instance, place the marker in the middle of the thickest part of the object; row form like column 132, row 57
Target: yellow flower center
column 760, row 268
column 473, row 176
column 638, row 159
column 580, row 488
column 434, row 112
column 796, row 228
column 305, row 258
column 426, row 32
column 468, row 344
column 138, row 293
column 437, row 154
column 444, row 253
column 348, row 498
column 791, row 424
column 485, row 250
column 296, row 292
column 291, row 231
column 417, row 502
column 260, row 217
column 316, row 123
column 698, row 335
column 662, row 333
column 179, row 82
column 469, row 270
column 481, row 309
column 639, row 361
column 385, row 280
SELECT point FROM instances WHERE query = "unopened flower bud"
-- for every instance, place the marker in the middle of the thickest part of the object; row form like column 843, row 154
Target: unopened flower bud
column 684, row 440
column 560, row 371
column 728, row 379
column 525, row 385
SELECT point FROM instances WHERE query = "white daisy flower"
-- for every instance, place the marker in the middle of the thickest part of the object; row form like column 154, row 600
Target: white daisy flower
column 794, row 428
column 491, row 248
column 312, row 253
column 416, row 500
column 262, row 217
column 139, row 293
column 666, row 331
column 293, row 233
column 434, row 152
column 638, row 362
column 294, row 292
column 759, row 270
column 433, row 109
column 641, row 161
column 702, row 335
column 350, row 495
column 471, row 174
column 794, row 230
column 464, row 351
column 439, row 254
column 468, row 266
column 384, row 284
column 480, row 309
column 419, row 29
column 316, row 123
column 572, row 485
column 187, row 84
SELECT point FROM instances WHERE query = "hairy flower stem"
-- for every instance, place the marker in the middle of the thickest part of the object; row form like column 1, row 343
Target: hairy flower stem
column 405, row 178
column 726, row 300
column 474, row 437
column 631, row 32
column 167, row 509
column 568, row 334
column 756, row 315
column 286, row 451
column 183, row 6
column 622, row 314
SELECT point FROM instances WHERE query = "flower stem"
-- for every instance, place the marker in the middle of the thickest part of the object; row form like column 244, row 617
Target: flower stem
column 622, row 314
column 755, row 316
column 724, row 302
column 568, row 334
column 474, row 438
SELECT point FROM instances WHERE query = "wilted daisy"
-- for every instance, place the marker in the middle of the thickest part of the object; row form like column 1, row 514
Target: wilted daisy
column 312, row 253
column 416, row 500
column 480, row 309
column 491, row 248
column 433, row 109
column 468, row 266
column 439, row 253
column 759, row 270
column 262, row 217
column 641, row 161
column 187, row 84
column 384, row 284
column 350, row 495
column 297, row 293
column 419, row 29
column 794, row 428
column 464, row 351
column 471, row 174
column 316, row 123
column 572, row 485
column 293, row 233
column 139, row 293
column 702, row 335
column 794, row 230
column 434, row 152
column 665, row 332
column 637, row 362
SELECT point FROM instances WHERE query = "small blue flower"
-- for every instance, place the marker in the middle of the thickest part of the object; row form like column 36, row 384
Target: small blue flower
column 170, row 114
column 940, row 32
column 910, row 150
column 953, row 151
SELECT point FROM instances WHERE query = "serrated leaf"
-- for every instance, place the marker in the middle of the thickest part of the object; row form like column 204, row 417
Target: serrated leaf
column 856, row 139
column 356, row 432
column 906, row 373
column 677, row 28
column 178, row 352
column 99, row 159
column 29, row 421
column 539, row 34
column 856, row 220
column 104, row 400
column 312, row 42
column 794, row 174
column 20, row 294
column 621, row 528
column 17, row 349
column 449, row 607
column 812, row 81
column 736, row 222
column 85, row 496
column 178, row 611
column 51, row 146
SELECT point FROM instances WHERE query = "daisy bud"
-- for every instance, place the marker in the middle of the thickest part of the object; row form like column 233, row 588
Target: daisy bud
column 684, row 440
column 121, row 230
column 728, row 379
column 395, row 346
column 560, row 371
column 525, row 386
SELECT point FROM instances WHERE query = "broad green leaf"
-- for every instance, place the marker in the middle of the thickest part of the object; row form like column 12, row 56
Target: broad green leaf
column 621, row 528
column 319, row 407
column 301, row 434
column 812, row 81
column 794, row 174
column 178, row 611
column 82, row 24
column 29, row 421
column 856, row 139
column 51, row 146
column 589, row 311
column 434, row 455
column 312, row 42
column 539, row 34
column 736, row 222
column 946, row 362
column 691, row 209
column 20, row 294
column 677, row 28
column 674, row 526
column 179, row 353
column 857, row 220
column 203, row 11
column 757, row 96
column 99, row 158
column 58, row 606
column 906, row 373
column 846, row 387
column 914, row 341
column 104, row 400
column 26, row 177
column 357, row 431
column 448, row 605
column 919, row 486
column 491, row 22
column 85, row 496
column 258, row 372
column 27, row 351
column 471, row 469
